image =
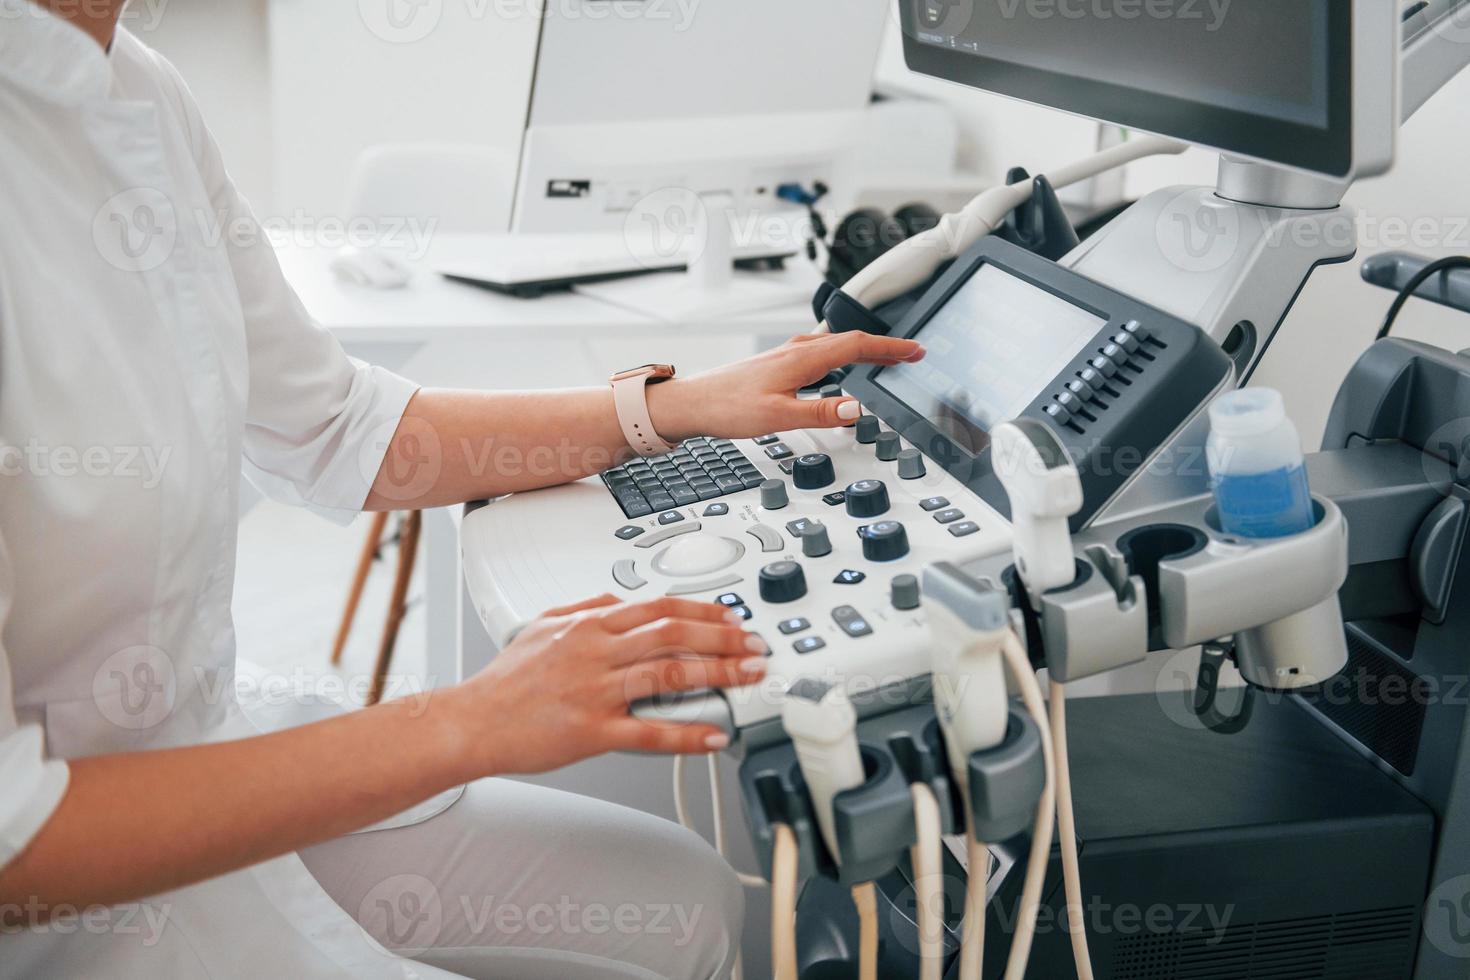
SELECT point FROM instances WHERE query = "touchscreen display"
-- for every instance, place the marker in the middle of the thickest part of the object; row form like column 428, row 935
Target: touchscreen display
column 993, row 347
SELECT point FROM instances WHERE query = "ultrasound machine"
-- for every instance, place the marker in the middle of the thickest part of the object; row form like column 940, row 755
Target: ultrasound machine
column 1034, row 494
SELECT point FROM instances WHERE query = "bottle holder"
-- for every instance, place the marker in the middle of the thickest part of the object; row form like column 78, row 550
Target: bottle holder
column 1171, row 579
column 874, row 822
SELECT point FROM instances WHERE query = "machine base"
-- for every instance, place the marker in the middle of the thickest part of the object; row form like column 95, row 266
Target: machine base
column 1275, row 852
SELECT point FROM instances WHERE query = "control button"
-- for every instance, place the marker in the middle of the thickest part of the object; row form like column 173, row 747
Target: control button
column 934, row 503
column 779, row 451
column 868, row 428
column 1069, row 401
column 796, row 625
column 867, row 498
column 773, row 494
column 730, row 599
column 708, row 585
column 629, row 532
column 673, row 531
column 1081, row 389
column 910, row 465
column 782, row 581
column 815, row 542
column 797, row 527
column 904, row 592
column 742, row 611
column 885, row 541
column 888, row 445
column 1058, row 414
column 717, row 510
column 830, row 391
column 670, row 517
column 949, row 515
column 625, row 573
column 835, row 499
column 1103, row 366
column 813, row 472
column 766, row 440
column 809, row 644
column 851, row 622
column 963, row 529
column 769, row 538
column 849, row 576
column 787, row 465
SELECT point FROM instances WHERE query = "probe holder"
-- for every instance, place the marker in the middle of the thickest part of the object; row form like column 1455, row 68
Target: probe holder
column 875, row 821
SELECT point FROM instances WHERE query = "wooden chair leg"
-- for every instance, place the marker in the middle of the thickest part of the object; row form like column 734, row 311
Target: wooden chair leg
column 408, row 546
column 359, row 579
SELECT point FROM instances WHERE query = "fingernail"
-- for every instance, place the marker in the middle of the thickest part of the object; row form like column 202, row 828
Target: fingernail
column 754, row 666
column 755, row 644
column 849, row 410
column 734, row 619
column 717, row 742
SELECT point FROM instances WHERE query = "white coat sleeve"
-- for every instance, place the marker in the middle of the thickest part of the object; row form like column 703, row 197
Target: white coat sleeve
column 32, row 784
column 317, row 422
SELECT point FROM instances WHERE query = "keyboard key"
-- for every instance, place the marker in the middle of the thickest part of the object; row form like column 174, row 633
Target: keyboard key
column 779, row 451
column 766, row 440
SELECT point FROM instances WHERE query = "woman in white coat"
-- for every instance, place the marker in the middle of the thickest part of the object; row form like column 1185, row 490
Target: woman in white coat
column 146, row 827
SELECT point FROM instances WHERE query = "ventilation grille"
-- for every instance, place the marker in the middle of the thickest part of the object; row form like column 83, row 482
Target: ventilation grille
column 1373, row 945
column 1376, row 700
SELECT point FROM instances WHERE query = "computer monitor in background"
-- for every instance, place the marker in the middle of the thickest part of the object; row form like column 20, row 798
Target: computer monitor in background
column 713, row 97
column 1309, row 85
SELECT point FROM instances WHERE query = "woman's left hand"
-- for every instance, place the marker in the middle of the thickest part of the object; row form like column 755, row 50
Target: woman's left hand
column 757, row 396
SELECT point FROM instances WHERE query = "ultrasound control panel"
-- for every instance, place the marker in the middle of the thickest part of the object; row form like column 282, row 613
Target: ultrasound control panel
column 819, row 538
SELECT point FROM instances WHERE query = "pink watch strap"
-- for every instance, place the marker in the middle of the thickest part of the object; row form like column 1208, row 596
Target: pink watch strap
column 630, row 399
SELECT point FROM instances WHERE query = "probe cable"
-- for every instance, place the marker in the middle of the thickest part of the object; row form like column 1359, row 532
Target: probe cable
column 972, row 935
column 1067, row 834
column 1041, row 836
column 783, row 903
column 1412, row 286
column 865, row 897
column 926, row 857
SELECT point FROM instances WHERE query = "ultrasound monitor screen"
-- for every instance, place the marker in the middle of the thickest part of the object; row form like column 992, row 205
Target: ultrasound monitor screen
column 992, row 348
column 1266, row 78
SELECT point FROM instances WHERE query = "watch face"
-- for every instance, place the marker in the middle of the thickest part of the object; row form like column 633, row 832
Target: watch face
column 653, row 372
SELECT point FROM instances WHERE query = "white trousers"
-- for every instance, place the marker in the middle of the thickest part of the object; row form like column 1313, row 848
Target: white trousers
column 521, row 882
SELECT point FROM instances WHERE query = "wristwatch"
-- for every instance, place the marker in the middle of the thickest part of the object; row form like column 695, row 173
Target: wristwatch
column 630, row 399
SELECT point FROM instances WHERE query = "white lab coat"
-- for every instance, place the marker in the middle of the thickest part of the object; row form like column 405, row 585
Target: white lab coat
column 149, row 348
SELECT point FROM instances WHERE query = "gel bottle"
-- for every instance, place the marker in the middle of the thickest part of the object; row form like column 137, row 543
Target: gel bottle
column 1256, row 466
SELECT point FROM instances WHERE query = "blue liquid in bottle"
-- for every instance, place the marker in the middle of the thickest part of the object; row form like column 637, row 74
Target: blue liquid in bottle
column 1273, row 504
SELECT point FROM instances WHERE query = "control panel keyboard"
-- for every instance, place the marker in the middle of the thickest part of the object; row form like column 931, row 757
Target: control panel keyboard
column 817, row 538
column 700, row 469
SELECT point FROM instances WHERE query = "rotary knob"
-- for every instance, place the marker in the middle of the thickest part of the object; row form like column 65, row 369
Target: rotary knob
column 867, row 498
column 868, row 428
column 782, row 581
column 885, row 541
column 888, row 443
column 910, row 465
column 815, row 541
column 773, row 494
column 905, row 592
column 813, row 472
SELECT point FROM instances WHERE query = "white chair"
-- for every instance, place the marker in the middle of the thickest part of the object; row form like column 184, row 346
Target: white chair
column 460, row 187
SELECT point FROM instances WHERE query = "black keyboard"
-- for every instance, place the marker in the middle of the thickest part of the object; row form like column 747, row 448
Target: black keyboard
column 700, row 469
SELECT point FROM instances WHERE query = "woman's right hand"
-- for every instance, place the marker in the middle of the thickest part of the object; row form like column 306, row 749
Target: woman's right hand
column 560, row 692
